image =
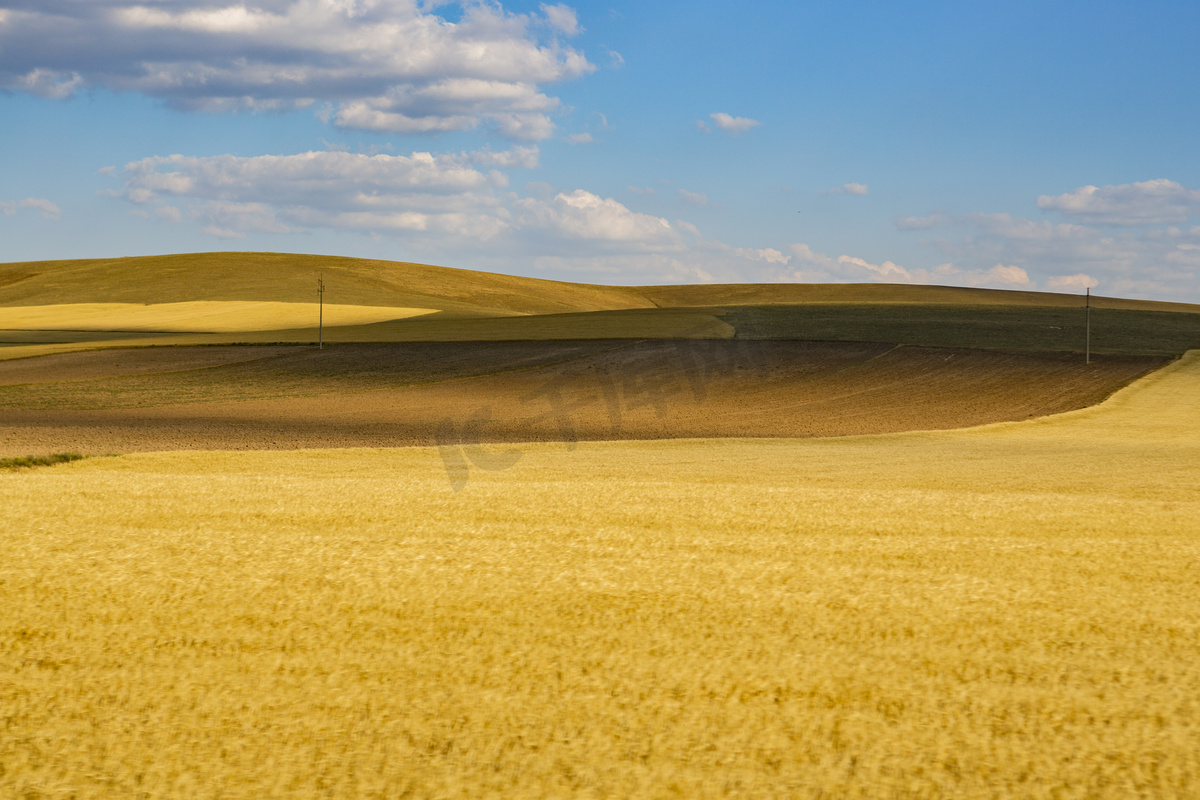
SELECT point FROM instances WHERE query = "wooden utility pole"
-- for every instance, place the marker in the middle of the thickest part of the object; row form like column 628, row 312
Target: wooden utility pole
column 1087, row 336
column 321, row 312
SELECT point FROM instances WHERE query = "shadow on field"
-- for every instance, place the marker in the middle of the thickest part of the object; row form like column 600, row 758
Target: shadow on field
column 386, row 395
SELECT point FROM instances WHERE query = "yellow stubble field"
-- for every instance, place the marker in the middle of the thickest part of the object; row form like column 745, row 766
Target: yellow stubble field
column 197, row 316
column 1008, row 611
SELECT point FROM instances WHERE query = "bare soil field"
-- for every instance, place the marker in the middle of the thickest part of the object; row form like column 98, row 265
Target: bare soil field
column 387, row 395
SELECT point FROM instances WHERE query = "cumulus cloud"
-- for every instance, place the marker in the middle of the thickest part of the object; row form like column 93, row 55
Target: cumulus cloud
column 1077, row 282
column 731, row 124
column 583, row 216
column 922, row 223
column 169, row 213
column 451, row 207
column 850, row 188
column 523, row 157
column 46, row 208
column 329, row 174
column 697, row 199
column 768, row 255
column 1152, row 262
column 445, row 200
column 562, row 18
column 1008, row 276
column 807, row 265
column 1156, row 202
column 383, row 65
column 232, row 195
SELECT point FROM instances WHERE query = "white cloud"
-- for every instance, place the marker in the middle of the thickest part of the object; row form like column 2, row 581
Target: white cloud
column 523, row 157
column 223, row 233
column 1156, row 202
column 562, row 18
column 1077, row 282
column 1009, row 276
column 384, row 65
column 731, row 124
column 644, row 191
column 850, row 188
column 808, row 265
column 46, row 208
column 1147, row 263
column 317, row 177
column 55, row 84
column 447, row 194
column 615, row 59
column 767, row 255
column 697, row 199
column 703, row 126
column 233, row 220
column 887, row 271
column 456, row 207
column 584, row 216
column 580, row 138
column 445, row 201
column 922, row 223
column 169, row 213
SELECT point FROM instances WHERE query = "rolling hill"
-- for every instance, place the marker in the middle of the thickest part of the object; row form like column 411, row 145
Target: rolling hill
column 270, row 298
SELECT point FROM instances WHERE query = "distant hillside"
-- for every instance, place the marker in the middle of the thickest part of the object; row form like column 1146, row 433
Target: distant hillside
column 215, row 298
column 766, row 294
column 282, row 277
column 288, row 278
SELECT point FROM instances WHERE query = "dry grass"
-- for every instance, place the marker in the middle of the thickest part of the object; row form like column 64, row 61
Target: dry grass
column 292, row 278
column 200, row 316
column 1006, row 611
column 288, row 277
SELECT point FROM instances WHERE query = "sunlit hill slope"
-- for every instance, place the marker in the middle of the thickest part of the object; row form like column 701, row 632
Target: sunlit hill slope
column 56, row 305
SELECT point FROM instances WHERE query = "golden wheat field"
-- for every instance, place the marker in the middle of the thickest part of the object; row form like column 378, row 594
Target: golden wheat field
column 1007, row 611
column 198, row 316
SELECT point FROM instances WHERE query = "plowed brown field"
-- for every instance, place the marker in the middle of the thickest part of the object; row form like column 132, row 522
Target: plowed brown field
column 375, row 395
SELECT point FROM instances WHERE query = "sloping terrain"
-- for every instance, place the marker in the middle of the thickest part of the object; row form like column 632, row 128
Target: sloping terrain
column 416, row 352
column 478, row 306
column 775, row 294
column 288, row 278
column 380, row 395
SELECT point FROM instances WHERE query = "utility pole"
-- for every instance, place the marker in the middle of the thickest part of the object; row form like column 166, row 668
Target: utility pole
column 321, row 312
column 1087, row 337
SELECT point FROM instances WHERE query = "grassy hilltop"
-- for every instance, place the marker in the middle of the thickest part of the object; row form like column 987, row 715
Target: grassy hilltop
column 43, row 303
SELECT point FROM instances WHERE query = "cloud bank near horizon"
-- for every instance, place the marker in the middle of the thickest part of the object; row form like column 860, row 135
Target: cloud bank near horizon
column 451, row 206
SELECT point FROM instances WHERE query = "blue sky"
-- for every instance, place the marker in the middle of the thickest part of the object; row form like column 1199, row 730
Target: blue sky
column 1044, row 145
